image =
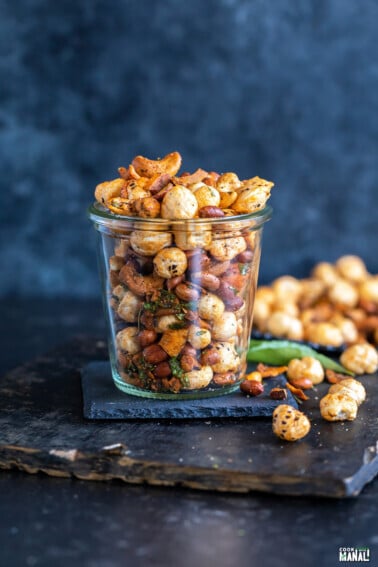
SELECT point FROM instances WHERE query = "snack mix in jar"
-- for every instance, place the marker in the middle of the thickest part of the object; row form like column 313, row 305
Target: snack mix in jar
column 179, row 256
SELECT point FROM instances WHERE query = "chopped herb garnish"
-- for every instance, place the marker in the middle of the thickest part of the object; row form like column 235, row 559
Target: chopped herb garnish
column 177, row 371
column 199, row 333
column 150, row 306
column 178, row 325
column 243, row 269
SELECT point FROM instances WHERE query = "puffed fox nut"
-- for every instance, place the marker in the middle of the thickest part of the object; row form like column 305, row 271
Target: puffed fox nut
column 170, row 263
column 116, row 262
column 228, row 357
column 210, row 306
column 199, row 338
column 352, row 268
column 192, row 240
column 281, row 324
column 198, row 378
column 351, row 387
column 224, row 327
column 207, row 196
column 338, row 407
column 148, row 243
column 228, row 182
column 307, row 367
column 127, row 340
column 119, row 291
column 324, row 334
column 360, row 358
column 224, row 249
column 368, row 290
column 250, row 200
column 165, row 322
column 129, row 307
column 325, row 272
column 290, row 424
column 343, row 293
column 179, row 203
column 286, row 289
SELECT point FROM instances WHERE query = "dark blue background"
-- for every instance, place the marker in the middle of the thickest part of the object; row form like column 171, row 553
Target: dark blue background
column 284, row 89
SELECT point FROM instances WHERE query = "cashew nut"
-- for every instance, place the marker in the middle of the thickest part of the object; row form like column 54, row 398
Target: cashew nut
column 145, row 167
column 109, row 189
column 137, row 283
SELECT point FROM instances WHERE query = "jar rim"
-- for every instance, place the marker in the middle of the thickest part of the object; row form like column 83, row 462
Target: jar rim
column 101, row 216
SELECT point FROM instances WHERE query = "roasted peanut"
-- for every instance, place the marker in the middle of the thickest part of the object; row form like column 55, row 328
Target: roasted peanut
column 226, row 291
column 197, row 260
column 147, row 337
column 189, row 363
column 210, row 356
column 303, row 383
column 187, row 292
column 224, row 379
column 206, row 280
column 189, row 350
column 210, row 212
column 147, row 320
column 218, row 268
column 162, row 370
column 210, row 181
column 278, row 394
column 252, row 387
column 173, row 282
column 154, row 354
column 245, row 257
column 235, row 303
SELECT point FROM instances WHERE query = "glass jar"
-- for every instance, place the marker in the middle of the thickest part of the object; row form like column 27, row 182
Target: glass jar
column 178, row 298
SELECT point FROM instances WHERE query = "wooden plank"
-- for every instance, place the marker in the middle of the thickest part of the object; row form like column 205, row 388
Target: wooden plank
column 43, row 430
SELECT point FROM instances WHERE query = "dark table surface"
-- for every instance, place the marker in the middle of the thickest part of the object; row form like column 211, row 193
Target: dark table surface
column 46, row 521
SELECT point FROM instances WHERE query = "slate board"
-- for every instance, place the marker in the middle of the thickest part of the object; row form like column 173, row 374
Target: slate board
column 42, row 429
column 102, row 400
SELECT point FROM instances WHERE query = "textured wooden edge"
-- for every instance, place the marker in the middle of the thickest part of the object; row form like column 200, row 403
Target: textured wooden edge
column 113, row 463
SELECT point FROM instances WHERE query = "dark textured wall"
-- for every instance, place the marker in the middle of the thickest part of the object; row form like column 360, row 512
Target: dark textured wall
column 286, row 89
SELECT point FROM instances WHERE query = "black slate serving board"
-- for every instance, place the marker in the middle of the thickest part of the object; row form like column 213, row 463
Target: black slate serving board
column 42, row 429
column 102, row 400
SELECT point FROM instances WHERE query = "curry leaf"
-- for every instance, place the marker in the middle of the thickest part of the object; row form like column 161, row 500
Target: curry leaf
column 281, row 352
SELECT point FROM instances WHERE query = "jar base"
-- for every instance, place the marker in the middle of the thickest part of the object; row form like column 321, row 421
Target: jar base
column 187, row 395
